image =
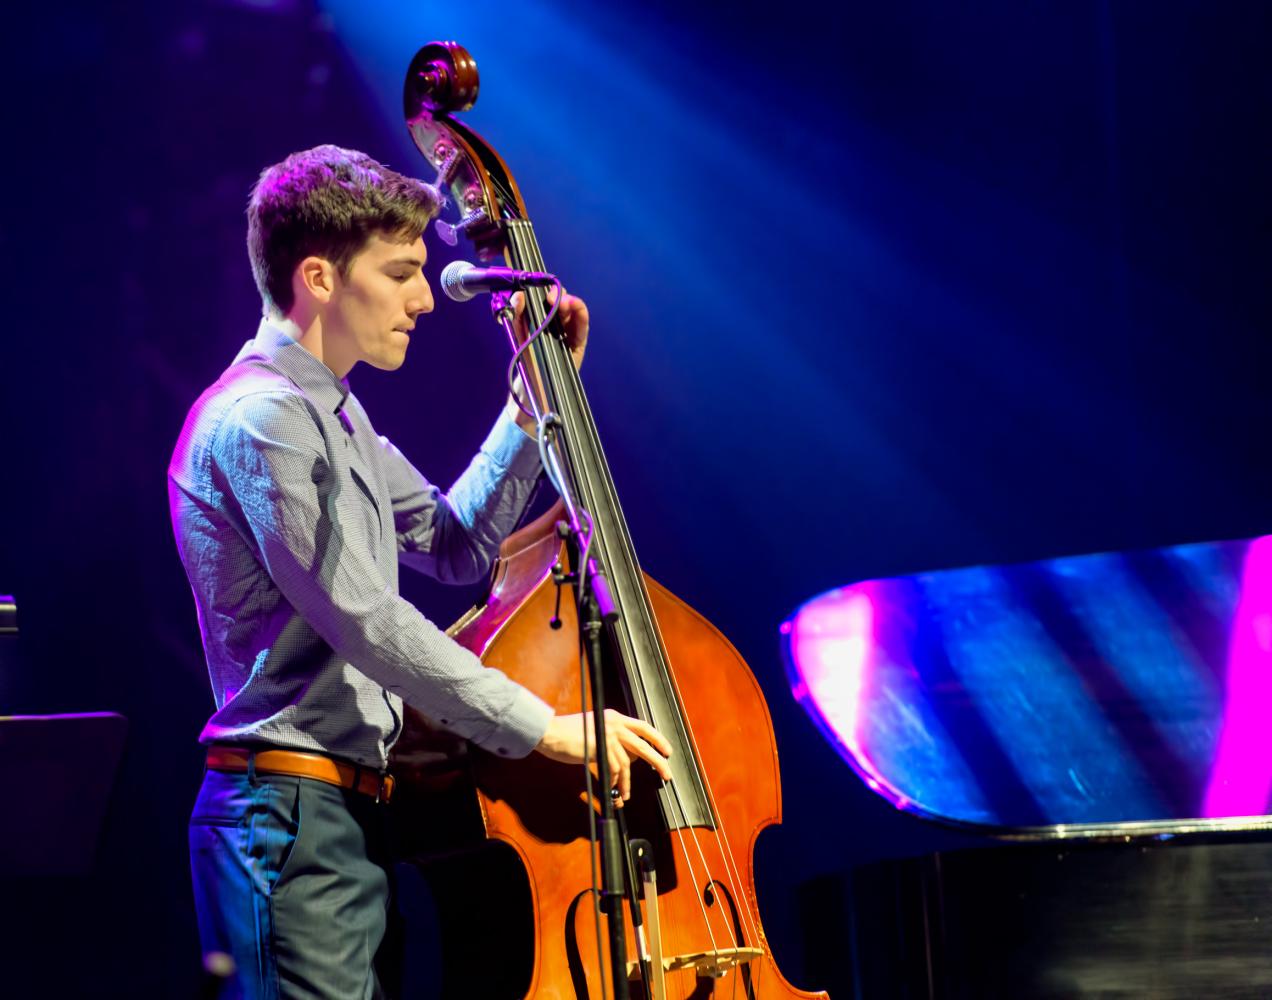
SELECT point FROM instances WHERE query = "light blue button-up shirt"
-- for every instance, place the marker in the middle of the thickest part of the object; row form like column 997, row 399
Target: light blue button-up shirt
column 291, row 515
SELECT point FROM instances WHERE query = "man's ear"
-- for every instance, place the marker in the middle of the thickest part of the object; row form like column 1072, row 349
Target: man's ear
column 316, row 277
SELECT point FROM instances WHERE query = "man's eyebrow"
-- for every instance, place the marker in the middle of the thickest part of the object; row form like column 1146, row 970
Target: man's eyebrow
column 412, row 261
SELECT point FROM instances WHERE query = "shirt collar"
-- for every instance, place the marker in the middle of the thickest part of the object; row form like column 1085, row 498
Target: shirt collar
column 309, row 374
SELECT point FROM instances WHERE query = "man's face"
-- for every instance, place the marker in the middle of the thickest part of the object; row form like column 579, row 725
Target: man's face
column 374, row 307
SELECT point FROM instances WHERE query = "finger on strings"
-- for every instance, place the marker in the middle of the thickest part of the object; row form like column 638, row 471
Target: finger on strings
column 650, row 755
column 651, row 735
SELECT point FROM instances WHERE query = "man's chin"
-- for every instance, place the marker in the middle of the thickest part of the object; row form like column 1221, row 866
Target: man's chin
column 388, row 362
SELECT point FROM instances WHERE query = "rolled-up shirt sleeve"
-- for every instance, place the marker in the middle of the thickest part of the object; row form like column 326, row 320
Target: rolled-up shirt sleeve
column 271, row 460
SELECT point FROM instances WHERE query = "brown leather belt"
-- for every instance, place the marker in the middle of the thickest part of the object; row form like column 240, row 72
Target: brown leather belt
column 304, row 765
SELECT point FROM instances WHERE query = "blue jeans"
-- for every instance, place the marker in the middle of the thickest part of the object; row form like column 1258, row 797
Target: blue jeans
column 290, row 881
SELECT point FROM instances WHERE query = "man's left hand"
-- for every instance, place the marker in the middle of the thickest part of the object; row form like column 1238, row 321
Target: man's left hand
column 574, row 320
column 573, row 316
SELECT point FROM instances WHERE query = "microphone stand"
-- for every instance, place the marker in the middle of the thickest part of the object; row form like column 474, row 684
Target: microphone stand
column 596, row 610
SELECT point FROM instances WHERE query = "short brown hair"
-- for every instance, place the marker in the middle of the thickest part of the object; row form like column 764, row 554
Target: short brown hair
column 327, row 202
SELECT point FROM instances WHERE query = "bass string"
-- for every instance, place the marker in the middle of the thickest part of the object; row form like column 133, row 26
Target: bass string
column 570, row 414
column 534, row 260
column 736, row 883
column 526, row 250
column 524, row 258
column 583, row 434
column 570, row 408
column 577, row 415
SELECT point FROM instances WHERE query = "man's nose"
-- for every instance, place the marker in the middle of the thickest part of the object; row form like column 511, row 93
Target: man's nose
column 421, row 303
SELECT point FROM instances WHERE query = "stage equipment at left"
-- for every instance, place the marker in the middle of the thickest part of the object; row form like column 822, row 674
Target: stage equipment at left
column 57, row 772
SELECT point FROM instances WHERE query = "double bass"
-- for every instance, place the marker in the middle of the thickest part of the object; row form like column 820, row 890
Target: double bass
column 700, row 929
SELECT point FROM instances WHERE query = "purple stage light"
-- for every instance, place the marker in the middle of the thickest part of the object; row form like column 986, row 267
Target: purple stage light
column 1241, row 778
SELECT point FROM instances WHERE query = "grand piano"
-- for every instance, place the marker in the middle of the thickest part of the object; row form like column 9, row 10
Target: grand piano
column 1106, row 722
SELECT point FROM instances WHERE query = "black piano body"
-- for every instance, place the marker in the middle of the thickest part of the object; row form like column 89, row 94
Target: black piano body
column 1107, row 719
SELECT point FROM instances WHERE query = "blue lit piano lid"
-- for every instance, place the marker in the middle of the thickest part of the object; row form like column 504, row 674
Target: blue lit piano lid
column 1086, row 695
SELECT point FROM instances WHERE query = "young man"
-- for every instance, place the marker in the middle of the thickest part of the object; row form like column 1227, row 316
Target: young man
column 291, row 515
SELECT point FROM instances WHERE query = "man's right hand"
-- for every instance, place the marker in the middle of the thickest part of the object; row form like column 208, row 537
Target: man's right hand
column 625, row 738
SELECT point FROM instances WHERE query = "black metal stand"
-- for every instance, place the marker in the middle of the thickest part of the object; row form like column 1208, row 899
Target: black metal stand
column 612, row 849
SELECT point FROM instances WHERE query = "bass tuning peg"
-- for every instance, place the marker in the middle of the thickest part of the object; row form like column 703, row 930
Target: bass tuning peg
column 449, row 233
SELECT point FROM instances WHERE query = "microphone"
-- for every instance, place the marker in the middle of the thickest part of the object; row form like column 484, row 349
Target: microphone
column 461, row 281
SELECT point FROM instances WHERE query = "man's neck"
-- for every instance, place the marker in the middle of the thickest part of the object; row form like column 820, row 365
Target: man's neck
column 308, row 333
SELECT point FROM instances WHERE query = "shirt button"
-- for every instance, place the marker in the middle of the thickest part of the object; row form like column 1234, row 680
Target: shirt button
column 501, row 751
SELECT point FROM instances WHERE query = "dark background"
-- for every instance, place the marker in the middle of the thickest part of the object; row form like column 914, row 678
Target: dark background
column 876, row 288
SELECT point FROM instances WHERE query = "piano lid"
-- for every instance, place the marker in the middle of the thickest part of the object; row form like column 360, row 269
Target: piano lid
column 1123, row 692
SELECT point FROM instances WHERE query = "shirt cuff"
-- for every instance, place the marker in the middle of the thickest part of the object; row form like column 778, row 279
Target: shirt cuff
column 521, row 728
column 511, row 448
